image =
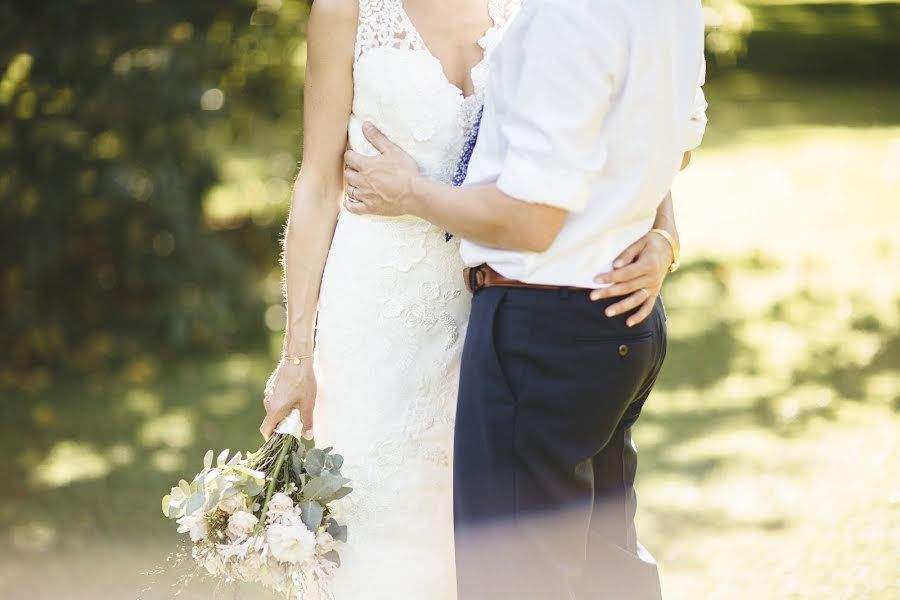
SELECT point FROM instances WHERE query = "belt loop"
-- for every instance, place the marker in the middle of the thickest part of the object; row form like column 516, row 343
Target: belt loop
column 474, row 284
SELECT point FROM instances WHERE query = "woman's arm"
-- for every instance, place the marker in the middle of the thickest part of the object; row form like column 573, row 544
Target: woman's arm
column 315, row 202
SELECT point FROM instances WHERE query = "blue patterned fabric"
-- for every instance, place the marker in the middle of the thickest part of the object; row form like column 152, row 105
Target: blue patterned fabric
column 462, row 167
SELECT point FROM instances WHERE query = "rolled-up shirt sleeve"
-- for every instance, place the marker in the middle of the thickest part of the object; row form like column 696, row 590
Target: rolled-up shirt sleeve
column 573, row 61
column 697, row 123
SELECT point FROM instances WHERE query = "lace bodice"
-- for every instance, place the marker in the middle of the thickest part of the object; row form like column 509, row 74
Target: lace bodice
column 401, row 87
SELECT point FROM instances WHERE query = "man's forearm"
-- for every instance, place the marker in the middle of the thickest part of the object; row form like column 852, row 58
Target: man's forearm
column 485, row 215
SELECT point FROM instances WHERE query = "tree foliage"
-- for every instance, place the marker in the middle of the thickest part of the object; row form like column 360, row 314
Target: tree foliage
column 111, row 116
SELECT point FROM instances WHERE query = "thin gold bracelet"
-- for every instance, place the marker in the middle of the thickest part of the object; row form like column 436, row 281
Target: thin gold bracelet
column 296, row 359
column 675, row 248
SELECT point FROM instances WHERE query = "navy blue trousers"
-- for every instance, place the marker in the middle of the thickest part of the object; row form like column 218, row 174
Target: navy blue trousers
column 544, row 464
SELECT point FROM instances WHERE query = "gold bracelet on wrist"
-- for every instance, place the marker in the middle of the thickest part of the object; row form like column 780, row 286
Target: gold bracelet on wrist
column 295, row 360
column 676, row 250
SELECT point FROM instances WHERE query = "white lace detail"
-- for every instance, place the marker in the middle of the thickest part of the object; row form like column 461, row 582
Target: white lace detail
column 392, row 317
column 384, row 23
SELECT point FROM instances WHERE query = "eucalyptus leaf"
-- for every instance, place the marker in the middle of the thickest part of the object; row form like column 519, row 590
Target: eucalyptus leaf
column 338, row 532
column 311, row 512
column 212, row 499
column 195, row 503
column 314, row 462
column 254, row 488
column 223, row 458
column 333, row 556
column 185, row 487
column 231, row 491
column 166, row 506
column 324, row 486
column 296, row 465
column 337, row 461
column 234, row 460
column 344, row 491
column 208, row 459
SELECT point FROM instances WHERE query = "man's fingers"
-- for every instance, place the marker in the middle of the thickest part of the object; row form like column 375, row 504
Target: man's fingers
column 355, row 160
column 643, row 313
column 353, row 179
column 355, row 207
column 376, row 138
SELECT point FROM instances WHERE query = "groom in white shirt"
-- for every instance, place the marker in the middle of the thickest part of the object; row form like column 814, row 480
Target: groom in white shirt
column 589, row 112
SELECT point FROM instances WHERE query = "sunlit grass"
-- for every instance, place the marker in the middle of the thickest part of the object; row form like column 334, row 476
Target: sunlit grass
column 767, row 477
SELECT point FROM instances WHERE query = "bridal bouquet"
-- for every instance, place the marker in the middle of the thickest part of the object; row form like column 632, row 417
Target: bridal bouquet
column 265, row 517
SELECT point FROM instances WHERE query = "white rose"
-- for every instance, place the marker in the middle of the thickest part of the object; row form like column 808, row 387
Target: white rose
column 281, row 502
column 232, row 504
column 241, row 524
column 195, row 526
column 291, row 543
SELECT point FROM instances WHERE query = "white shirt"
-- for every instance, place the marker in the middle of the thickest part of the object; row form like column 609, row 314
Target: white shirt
column 590, row 107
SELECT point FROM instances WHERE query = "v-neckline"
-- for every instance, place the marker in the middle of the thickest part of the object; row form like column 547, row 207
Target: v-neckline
column 415, row 31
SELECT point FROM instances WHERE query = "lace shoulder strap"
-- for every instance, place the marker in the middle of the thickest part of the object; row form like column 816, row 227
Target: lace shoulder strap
column 383, row 23
column 502, row 11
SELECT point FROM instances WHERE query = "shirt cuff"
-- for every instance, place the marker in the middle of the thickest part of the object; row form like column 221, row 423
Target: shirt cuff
column 695, row 135
column 697, row 125
column 529, row 181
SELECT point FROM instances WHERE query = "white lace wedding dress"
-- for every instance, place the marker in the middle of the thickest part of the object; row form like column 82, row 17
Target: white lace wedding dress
column 392, row 316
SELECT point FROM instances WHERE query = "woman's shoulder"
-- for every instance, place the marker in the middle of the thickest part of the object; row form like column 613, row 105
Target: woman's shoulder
column 334, row 12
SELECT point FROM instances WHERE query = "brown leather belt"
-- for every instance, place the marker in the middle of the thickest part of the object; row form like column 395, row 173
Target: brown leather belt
column 484, row 276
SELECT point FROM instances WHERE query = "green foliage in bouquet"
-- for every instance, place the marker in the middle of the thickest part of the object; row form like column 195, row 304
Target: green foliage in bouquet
column 310, row 476
column 213, row 484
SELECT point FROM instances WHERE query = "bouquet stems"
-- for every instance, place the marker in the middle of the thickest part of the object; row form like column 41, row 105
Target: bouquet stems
column 286, row 443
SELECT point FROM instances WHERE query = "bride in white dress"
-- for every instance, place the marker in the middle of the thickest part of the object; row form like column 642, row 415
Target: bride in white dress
column 380, row 302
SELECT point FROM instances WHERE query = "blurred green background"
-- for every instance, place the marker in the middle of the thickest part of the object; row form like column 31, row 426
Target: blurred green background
column 147, row 150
